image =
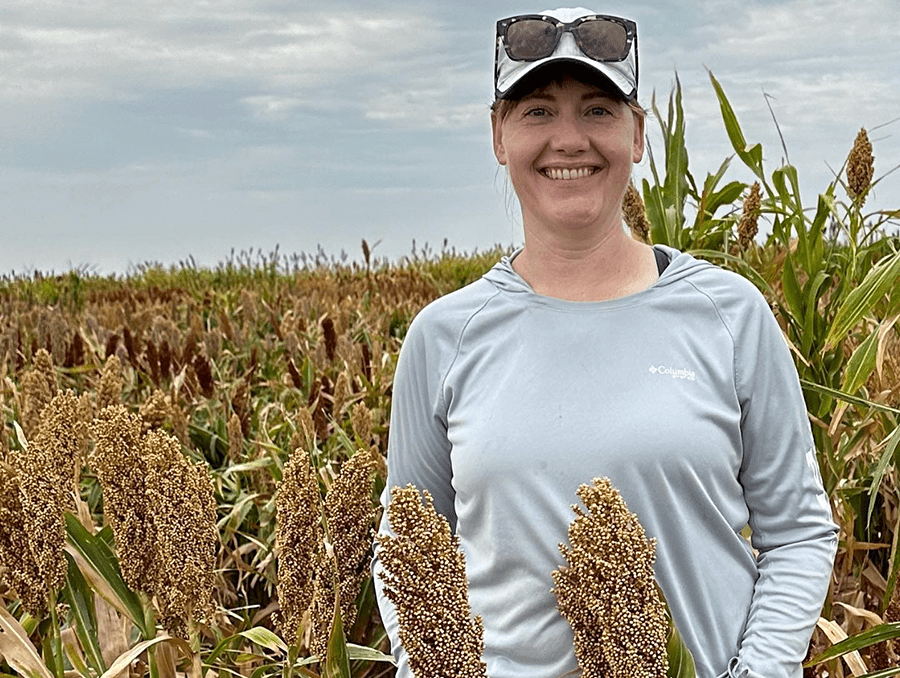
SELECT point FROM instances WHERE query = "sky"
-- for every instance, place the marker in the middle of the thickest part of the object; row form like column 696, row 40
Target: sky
column 153, row 131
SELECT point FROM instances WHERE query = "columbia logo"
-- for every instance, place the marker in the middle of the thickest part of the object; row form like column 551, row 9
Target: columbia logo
column 675, row 373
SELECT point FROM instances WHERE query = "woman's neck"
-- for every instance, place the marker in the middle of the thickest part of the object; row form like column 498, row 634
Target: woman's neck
column 611, row 267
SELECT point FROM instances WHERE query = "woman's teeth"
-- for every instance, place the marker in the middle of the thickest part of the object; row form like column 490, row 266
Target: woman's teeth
column 579, row 173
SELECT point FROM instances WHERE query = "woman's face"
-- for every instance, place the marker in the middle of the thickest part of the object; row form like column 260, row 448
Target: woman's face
column 569, row 148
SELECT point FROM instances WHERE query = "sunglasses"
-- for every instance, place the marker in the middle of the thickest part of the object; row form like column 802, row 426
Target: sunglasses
column 530, row 37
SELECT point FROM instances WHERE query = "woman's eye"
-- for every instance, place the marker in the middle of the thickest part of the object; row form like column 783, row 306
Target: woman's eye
column 599, row 110
column 536, row 112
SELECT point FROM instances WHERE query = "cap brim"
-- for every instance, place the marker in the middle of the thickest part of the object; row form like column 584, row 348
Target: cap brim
column 583, row 69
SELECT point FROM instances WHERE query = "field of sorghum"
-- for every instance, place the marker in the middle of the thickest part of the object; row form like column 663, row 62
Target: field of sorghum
column 190, row 459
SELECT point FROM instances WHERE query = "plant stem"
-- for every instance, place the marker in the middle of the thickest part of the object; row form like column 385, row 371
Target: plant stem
column 56, row 659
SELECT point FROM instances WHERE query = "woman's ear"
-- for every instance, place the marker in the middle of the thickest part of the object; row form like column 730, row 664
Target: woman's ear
column 497, row 133
column 637, row 149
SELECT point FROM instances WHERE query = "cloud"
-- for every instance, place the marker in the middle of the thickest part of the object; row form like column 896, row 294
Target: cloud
column 271, row 107
column 426, row 109
column 114, row 49
column 796, row 28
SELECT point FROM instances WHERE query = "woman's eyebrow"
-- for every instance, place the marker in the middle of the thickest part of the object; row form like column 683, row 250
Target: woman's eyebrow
column 597, row 95
column 543, row 96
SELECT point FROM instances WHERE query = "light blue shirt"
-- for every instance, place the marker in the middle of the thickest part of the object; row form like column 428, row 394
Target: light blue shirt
column 684, row 395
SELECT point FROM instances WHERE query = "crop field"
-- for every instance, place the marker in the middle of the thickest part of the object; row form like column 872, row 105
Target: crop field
column 191, row 459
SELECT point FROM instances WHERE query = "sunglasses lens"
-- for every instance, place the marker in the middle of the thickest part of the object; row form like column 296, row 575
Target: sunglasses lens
column 603, row 40
column 530, row 39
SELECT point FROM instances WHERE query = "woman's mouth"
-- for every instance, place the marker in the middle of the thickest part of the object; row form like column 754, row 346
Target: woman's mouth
column 557, row 173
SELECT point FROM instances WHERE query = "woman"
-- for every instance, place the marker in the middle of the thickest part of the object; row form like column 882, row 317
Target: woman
column 588, row 354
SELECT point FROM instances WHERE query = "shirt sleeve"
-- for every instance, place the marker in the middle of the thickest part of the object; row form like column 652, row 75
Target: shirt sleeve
column 418, row 447
column 790, row 514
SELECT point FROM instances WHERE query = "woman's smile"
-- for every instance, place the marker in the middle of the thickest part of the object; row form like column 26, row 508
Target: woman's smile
column 566, row 174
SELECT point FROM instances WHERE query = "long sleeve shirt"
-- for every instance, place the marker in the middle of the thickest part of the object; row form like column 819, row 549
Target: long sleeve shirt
column 684, row 395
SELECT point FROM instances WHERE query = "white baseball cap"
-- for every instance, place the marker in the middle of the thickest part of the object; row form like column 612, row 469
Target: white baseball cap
column 599, row 42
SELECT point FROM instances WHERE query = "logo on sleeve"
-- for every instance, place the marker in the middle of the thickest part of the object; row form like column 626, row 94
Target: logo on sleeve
column 674, row 372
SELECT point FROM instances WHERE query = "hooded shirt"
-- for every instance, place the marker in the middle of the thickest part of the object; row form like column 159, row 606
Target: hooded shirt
column 684, row 395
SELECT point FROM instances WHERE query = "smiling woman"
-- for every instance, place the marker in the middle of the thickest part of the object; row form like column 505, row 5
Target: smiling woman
column 569, row 146
column 587, row 354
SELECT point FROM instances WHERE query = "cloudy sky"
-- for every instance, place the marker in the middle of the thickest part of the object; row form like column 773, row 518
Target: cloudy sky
column 151, row 130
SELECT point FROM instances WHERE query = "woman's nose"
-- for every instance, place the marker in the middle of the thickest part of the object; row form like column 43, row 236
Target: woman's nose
column 569, row 135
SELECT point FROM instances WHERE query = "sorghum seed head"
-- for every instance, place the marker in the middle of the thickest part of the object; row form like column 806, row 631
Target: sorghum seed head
column 39, row 385
column 182, row 504
column 155, row 410
column 634, row 213
column 860, row 167
column 330, row 336
column 122, row 472
column 747, row 226
column 298, row 541
column 47, row 472
column 607, row 591
column 425, row 577
column 22, row 572
column 307, row 427
column 361, row 419
column 109, row 392
column 235, row 437
column 341, row 394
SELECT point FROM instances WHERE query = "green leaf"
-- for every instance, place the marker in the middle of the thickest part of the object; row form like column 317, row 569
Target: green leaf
column 80, row 600
column 861, row 364
column 681, row 662
column 337, row 661
column 368, row 654
column 791, row 288
column 876, row 634
column 751, row 156
column 880, row 469
column 725, row 196
column 265, row 638
column 51, row 645
column 846, row 397
column 879, row 281
column 894, row 570
column 100, row 567
column 254, row 465
column 261, row 671
column 223, row 646
column 811, row 316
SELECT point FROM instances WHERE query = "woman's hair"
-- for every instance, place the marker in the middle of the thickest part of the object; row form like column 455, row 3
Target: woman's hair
column 554, row 75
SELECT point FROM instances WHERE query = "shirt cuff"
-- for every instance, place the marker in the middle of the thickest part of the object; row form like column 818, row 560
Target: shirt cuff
column 738, row 670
